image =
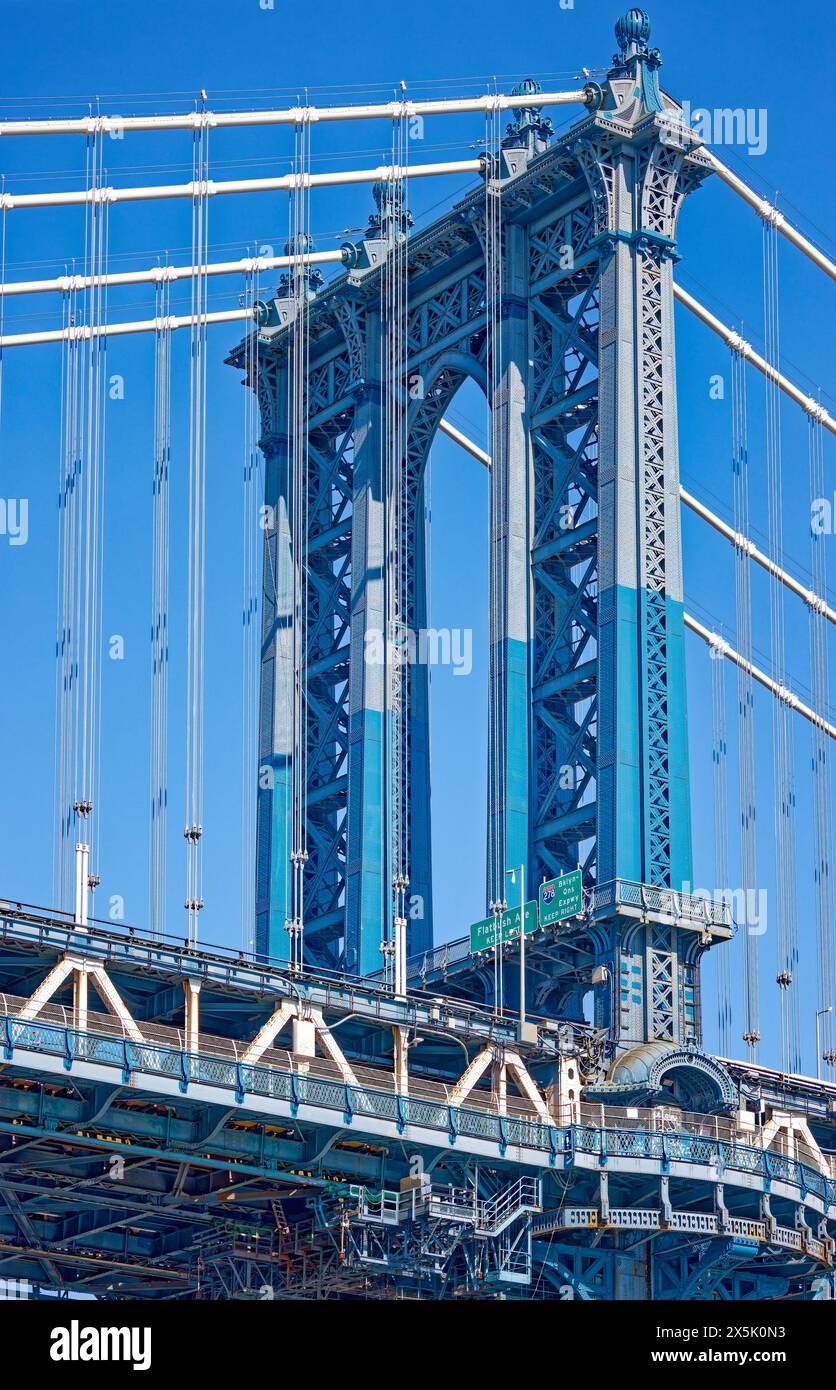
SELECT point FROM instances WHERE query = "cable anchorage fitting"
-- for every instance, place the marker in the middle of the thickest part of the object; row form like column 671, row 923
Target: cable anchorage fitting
column 770, row 214
column 815, row 410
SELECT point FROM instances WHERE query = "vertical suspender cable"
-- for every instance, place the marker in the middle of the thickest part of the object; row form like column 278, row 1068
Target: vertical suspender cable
column 193, row 832
column 721, row 837
column 745, row 708
column 782, row 723
column 159, row 616
column 498, row 539
column 387, row 767
column 298, row 369
column 399, row 612
column 61, row 615
column 98, row 315
column 822, row 783
column 250, row 664
column 80, row 570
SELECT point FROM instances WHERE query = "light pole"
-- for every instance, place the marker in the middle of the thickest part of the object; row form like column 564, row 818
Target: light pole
column 819, row 1012
column 513, row 873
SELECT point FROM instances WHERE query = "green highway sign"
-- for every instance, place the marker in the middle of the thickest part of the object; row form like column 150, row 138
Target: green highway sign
column 505, row 927
column 561, row 898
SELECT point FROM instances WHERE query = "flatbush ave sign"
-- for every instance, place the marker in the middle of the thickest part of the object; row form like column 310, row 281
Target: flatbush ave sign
column 558, row 899
column 503, row 927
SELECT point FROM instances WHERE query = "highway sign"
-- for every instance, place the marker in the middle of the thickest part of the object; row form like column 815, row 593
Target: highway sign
column 485, row 934
column 561, row 898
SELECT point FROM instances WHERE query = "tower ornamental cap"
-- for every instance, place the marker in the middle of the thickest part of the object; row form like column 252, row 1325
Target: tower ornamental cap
column 383, row 190
column 529, row 87
column 632, row 28
column 299, row 245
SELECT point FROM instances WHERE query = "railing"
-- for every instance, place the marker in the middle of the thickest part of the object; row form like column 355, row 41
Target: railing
column 618, row 894
column 118, row 943
column 662, row 1120
column 498, row 1212
column 487, row 1216
column 661, row 902
column 213, row 1045
column 686, row 1222
column 298, row 1089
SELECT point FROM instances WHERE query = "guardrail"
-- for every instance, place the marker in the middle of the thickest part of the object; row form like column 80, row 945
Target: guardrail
column 299, row 1089
column 116, row 945
column 618, row 895
column 622, row 893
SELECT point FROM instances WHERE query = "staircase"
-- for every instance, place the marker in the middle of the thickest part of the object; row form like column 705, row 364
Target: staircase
column 495, row 1215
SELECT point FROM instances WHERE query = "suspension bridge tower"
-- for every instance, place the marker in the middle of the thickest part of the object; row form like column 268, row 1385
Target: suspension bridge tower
column 551, row 287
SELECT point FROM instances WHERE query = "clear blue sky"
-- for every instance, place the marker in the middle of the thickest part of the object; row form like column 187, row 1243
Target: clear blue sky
column 154, row 56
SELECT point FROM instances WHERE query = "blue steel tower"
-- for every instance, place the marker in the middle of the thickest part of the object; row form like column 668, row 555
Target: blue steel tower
column 568, row 328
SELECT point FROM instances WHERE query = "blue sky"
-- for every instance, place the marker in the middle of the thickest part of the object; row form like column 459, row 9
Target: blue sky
column 156, row 57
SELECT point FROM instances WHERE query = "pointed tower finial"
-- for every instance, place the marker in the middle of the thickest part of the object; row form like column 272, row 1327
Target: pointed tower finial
column 632, row 32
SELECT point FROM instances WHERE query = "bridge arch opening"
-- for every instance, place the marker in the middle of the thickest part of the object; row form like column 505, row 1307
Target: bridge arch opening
column 456, row 494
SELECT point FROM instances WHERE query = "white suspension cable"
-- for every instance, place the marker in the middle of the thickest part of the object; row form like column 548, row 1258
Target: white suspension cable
column 83, row 332
column 494, row 274
column 207, row 188
column 298, row 374
column 781, row 692
column 747, row 352
column 77, row 780
column 294, row 115
column 813, row 600
column 158, row 274
column 770, row 214
column 250, row 629
column 822, row 782
column 783, row 743
column 747, row 765
column 399, row 617
column 467, row 444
